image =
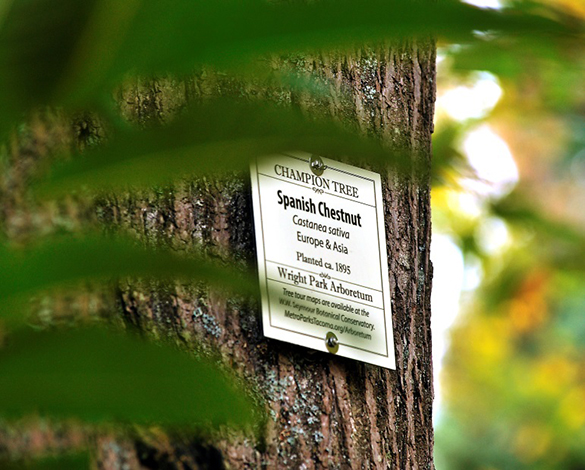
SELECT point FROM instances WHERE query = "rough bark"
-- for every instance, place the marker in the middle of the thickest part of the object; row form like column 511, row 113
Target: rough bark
column 325, row 412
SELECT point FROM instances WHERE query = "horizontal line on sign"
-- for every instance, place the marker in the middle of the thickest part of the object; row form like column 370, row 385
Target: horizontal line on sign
column 323, row 339
column 285, row 180
column 333, row 168
column 362, row 349
column 312, row 272
column 297, row 332
column 321, row 292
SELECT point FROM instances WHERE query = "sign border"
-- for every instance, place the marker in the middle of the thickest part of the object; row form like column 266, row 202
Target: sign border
column 385, row 360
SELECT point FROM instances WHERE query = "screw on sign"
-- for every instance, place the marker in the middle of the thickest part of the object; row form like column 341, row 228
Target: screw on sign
column 317, row 165
column 332, row 343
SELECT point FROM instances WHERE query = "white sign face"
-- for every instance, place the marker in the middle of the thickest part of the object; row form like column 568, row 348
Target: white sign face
column 322, row 256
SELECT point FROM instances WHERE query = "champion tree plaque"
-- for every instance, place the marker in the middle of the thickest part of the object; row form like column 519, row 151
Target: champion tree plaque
column 322, row 256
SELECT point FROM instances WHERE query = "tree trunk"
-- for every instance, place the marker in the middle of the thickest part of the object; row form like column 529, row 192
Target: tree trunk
column 324, row 411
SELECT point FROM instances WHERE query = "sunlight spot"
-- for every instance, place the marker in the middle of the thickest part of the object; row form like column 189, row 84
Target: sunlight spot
column 495, row 4
column 447, row 283
column 473, row 273
column 472, row 102
column 469, row 204
column 493, row 235
column 492, row 160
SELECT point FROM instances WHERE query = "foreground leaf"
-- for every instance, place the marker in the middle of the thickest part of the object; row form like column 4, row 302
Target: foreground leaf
column 70, row 53
column 65, row 261
column 220, row 135
column 64, row 462
column 163, row 38
column 99, row 376
column 38, row 40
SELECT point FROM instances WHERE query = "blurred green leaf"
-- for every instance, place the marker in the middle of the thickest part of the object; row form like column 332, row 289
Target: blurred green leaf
column 72, row 52
column 446, row 156
column 62, row 462
column 498, row 57
column 561, row 244
column 66, row 260
column 38, row 40
column 557, row 66
column 100, row 376
column 219, row 135
column 164, row 38
column 517, row 211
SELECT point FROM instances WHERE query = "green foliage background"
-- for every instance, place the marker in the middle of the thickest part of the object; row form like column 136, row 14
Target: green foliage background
column 71, row 56
column 514, row 377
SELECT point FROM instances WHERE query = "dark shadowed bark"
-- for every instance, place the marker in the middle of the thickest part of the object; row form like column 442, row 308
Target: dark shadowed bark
column 324, row 411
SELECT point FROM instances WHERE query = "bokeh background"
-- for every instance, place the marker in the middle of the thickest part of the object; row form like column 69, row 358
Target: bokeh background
column 508, row 249
column 508, row 192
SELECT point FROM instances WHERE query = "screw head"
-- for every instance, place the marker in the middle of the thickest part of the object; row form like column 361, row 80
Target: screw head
column 332, row 343
column 316, row 164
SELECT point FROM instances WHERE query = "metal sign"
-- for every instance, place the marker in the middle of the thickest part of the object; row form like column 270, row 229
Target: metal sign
column 322, row 256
